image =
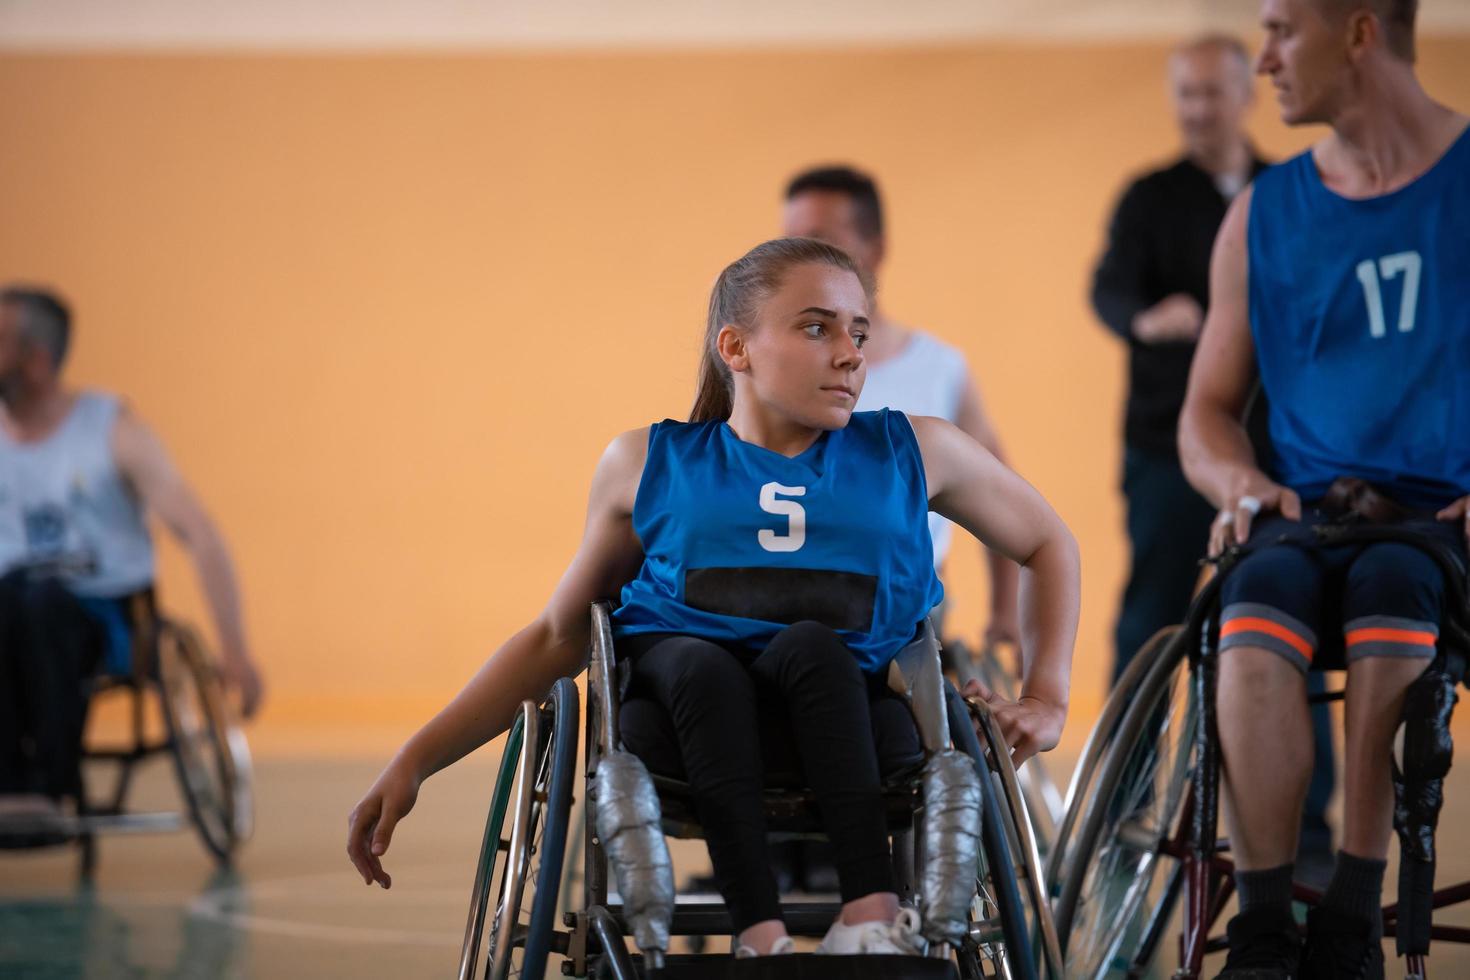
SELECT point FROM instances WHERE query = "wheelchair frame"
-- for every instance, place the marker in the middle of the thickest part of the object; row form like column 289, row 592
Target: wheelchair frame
column 1203, row 871
column 211, row 757
column 534, row 787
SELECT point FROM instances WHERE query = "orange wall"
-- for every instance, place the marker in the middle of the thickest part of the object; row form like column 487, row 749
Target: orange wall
column 386, row 310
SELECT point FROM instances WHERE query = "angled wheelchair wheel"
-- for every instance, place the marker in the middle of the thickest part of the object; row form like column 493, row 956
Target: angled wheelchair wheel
column 513, row 905
column 1044, row 805
column 1100, row 742
column 209, row 750
column 1123, row 879
column 1001, row 922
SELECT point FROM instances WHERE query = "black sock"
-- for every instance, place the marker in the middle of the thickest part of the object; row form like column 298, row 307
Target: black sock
column 1270, row 888
column 1356, row 889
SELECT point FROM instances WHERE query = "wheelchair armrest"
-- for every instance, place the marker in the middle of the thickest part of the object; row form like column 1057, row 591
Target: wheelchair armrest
column 602, row 686
column 918, row 674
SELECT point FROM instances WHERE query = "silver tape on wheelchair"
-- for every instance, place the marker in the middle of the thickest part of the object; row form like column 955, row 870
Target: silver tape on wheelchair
column 628, row 824
column 951, row 845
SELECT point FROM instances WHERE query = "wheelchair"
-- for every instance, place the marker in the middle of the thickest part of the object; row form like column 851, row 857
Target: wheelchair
column 175, row 706
column 627, row 884
column 1140, row 826
column 992, row 666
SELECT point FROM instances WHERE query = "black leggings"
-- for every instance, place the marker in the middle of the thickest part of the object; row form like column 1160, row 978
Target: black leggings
column 49, row 644
column 711, row 692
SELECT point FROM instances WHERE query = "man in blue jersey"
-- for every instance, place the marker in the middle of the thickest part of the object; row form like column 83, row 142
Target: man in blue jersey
column 1345, row 274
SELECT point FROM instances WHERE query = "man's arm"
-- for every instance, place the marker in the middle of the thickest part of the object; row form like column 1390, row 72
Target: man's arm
column 1123, row 294
column 1120, row 284
column 1005, row 624
column 1214, row 446
column 145, row 464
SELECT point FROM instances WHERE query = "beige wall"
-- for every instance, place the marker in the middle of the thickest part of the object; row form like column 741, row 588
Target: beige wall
column 386, row 310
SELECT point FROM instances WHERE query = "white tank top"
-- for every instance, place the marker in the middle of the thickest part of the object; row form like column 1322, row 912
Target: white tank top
column 926, row 377
column 63, row 498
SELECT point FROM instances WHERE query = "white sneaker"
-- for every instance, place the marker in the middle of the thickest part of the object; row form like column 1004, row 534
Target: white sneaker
column 899, row 938
column 780, row 947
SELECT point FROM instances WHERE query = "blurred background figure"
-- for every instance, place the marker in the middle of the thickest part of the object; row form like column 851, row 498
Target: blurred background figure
column 1151, row 289
column 908, row 370
column 79, row 473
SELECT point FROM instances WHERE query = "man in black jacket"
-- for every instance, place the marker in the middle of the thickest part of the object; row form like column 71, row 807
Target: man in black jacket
column 1151, row 289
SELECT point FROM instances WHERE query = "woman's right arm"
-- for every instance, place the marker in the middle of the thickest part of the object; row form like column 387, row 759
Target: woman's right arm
column 554, row 645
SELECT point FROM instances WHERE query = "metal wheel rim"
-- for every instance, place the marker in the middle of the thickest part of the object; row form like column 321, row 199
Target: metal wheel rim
column 1142, row 874
column 501, row 934
column 200, row 731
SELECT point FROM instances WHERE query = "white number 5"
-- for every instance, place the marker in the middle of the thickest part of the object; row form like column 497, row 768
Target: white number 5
column 794, row 513
column 1389, row 267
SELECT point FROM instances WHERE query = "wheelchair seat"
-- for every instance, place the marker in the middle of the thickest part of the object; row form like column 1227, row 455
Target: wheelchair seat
column 648, row 732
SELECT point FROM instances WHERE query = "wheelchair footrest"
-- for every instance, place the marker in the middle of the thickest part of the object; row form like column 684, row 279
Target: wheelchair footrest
column 48, row 830
column 808, row 966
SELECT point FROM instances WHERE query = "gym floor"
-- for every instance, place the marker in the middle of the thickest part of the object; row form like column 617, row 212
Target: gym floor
column 294, row 908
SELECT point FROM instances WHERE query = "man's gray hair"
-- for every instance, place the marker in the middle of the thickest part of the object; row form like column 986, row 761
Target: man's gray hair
column 45, row 320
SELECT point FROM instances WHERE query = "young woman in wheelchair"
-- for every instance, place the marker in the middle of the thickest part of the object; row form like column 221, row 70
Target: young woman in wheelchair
column 773, row 550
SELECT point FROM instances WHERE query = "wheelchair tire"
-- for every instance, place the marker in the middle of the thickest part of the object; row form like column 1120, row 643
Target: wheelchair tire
column 209, row 750
column 533, row 789
column 1045, row 805
column 1100, row 741
column 1120, row 887
column 1007, row 950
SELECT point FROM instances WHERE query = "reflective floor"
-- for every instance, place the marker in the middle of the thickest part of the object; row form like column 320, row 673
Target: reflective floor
column 294, row 908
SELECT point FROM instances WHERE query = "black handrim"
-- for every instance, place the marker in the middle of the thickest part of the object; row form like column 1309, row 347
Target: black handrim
column 565, row 707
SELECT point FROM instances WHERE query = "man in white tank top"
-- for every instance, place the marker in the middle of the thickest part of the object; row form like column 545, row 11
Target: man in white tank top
column 908, row 369
column 79, row 473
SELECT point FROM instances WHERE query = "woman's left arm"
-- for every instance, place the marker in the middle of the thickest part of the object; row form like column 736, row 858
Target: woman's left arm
column 972, row 488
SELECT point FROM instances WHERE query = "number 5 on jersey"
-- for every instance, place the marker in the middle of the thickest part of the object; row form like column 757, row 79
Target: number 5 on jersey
column 794, row 513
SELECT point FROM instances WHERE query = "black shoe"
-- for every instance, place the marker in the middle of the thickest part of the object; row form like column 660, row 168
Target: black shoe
column 1264, row 945
column 1342, row 947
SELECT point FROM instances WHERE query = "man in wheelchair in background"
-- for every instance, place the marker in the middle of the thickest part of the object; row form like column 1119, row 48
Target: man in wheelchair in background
column 79, row 472
column 1343, row 275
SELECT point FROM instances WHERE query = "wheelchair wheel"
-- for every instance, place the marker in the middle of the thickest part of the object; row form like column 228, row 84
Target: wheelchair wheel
column 208, row 747
column 1100, row 742
column 534, row 788
column 999, row 943
column 1122, row 884
column 1043, row 800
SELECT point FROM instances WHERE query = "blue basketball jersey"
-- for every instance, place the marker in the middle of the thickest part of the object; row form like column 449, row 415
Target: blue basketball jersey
column 740, row 542
column 1360, row 312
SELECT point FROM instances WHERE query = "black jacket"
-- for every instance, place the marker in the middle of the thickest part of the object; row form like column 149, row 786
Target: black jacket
column 1159, row 243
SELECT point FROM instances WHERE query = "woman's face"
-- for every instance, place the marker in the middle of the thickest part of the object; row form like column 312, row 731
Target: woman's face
column 803, row 358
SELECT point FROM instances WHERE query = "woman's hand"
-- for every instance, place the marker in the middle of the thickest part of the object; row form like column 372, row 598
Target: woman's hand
column 1029, row 725
column 370, row 825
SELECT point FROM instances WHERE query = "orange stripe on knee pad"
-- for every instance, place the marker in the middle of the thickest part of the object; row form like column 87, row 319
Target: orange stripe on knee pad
column 1254, row 624
column 1382, row 634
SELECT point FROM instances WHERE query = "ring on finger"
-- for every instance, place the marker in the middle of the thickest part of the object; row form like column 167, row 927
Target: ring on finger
column 1225, row 518
column 1249, row 504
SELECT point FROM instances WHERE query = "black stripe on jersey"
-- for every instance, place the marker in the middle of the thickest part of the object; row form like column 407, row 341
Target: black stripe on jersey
column 841, row 600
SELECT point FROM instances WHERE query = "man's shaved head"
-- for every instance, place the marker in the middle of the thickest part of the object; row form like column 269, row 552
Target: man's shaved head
column 1396, row 16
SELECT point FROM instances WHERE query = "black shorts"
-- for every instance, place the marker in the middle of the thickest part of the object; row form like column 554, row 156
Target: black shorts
column 1386, row 597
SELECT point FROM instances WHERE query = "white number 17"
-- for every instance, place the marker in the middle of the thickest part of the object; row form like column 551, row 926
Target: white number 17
column 1389, row 267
